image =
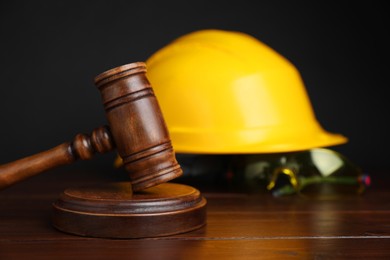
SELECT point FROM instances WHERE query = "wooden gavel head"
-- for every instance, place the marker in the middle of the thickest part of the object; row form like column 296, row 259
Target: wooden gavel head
column 137, row 125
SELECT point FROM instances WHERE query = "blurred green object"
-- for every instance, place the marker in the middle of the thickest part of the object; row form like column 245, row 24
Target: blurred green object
column 315, row 172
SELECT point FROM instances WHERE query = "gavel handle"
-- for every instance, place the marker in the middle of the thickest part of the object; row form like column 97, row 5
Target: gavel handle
column 82, row 147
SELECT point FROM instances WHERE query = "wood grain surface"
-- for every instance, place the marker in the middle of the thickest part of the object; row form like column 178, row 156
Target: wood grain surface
column 239, row 226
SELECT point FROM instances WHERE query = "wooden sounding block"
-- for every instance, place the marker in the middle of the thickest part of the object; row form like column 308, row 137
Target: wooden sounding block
column 112, row 211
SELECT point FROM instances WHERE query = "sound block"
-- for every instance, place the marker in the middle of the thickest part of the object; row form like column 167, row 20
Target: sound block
column 111, row 210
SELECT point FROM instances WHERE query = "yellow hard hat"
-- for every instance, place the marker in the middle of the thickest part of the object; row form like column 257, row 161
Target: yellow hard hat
column 227, row 92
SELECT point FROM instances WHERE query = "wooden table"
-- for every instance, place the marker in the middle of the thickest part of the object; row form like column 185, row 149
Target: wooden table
column 239, row 226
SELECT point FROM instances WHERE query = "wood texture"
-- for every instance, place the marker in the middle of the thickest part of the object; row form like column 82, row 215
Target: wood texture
column 82, row 147
column 239, row 226
column 136, row 124
column 111, row 210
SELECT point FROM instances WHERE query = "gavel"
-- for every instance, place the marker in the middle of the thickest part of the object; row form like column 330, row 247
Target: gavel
column 135, row 127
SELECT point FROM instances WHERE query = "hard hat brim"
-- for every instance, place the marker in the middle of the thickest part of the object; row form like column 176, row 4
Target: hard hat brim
column 255, row 142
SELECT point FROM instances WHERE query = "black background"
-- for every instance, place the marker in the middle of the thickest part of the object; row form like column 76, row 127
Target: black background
column 50, row 51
